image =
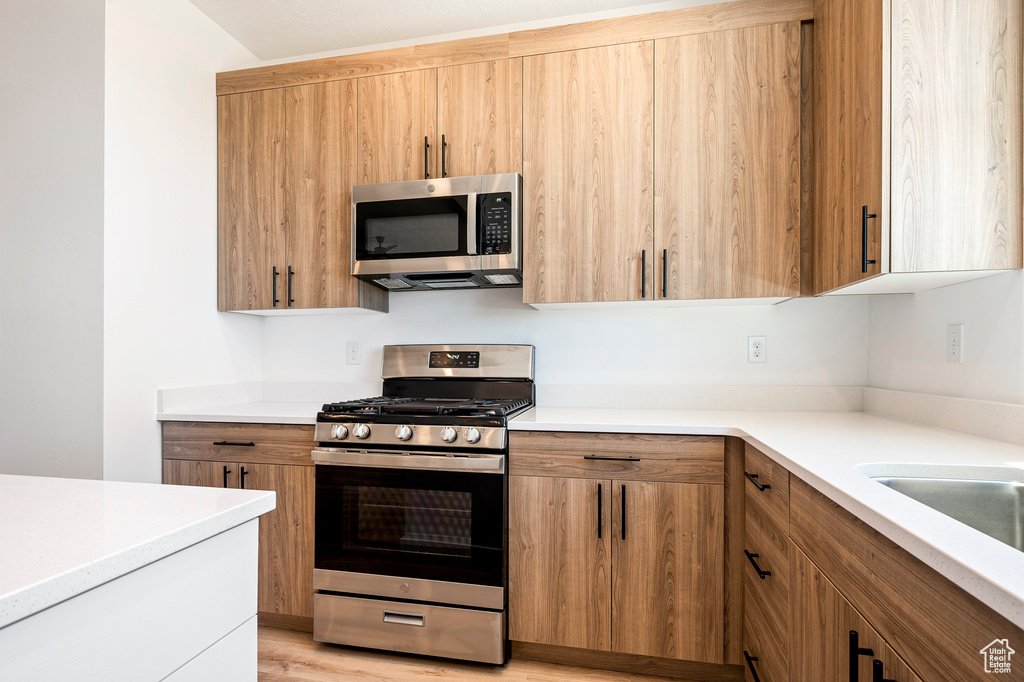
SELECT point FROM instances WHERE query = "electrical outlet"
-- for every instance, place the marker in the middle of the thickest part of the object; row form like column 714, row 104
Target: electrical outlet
column 955, row 343
column 757, row 349
column 352, row 353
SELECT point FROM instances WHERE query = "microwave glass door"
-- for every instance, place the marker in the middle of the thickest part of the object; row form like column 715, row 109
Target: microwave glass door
column 434, row 525
column 412, row 228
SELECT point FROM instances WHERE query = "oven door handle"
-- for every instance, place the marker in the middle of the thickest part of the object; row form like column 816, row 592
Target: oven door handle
column 488, row 464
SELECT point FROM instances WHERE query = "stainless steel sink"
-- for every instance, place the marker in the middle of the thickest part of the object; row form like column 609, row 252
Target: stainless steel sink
column 996, row 508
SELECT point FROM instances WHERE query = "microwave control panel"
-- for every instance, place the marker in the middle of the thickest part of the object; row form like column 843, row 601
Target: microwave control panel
column 494, row 220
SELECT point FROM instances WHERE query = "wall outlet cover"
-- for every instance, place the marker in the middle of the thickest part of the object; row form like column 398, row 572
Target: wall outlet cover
column 757, row 349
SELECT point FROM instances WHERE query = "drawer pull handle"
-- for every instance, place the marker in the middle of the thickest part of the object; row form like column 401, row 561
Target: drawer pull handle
column 877, row 674
column 241, row 445
column 760, row 574
column 750, row 664
column 753, row 479
column 417, row 619
column 856, row 651
column 612, row 459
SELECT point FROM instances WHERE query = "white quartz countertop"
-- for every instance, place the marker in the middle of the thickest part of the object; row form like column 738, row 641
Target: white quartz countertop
column 60, row 537
column 249, row 413
column 830, row 450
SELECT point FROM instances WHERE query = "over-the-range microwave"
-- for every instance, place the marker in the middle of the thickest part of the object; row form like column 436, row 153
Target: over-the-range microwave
column 445, row 233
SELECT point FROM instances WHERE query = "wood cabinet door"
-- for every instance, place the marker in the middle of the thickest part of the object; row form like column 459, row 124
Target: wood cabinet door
column 851, row 140
column 479, row 117
column 668, row 570
column 560, row 561
column 206, row 474
column 727, row 172
column 823, row 621
column 588, row 168
column 250, row 199
column 396, row 112
column 286, row 538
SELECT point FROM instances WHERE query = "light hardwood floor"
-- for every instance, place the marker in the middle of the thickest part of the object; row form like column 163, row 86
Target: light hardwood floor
column 287, row 656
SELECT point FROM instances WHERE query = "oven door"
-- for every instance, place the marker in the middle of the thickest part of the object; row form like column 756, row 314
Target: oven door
column 411, row 526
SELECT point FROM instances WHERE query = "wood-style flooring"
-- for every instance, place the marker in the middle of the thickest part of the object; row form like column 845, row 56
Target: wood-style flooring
column 287, row 656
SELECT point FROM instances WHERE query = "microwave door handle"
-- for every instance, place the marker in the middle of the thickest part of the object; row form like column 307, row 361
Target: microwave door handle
column 471, row 226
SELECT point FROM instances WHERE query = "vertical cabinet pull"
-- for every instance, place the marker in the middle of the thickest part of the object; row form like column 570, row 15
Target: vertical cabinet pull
column 856, row 651
column 599, row 519
column 864, row 215
column 750, row 664
column 274, row 288
column 444, row 167
column 760, row 574
column 753, row 479
column 664, row 273
column 226, row 472
column 242, row 475
column 291, row 273
column 426, row 155
column 643, row 273
column 877, row 673
column 623, row 512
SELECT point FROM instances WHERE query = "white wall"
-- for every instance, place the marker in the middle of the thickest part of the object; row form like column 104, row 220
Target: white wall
column 51, row 237
column 819, row 342
column 160, row 258
column 907, row 350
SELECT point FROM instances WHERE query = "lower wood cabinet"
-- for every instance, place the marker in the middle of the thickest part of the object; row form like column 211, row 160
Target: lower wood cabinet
column 286, row 534
column 602, row 559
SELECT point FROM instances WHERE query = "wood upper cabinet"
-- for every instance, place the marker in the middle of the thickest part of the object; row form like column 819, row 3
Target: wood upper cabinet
column 917, row 141
column 826, row 628
column 450, row 121
column 287, row 161
column 618, row 561
column 588, row 168
column 727, row 168
column 198, row 454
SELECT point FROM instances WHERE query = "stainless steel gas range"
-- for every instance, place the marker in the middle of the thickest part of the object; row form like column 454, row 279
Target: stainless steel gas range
column 411, row 548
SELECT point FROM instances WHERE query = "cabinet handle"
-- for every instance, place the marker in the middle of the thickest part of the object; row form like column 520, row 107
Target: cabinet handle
column 856, row 651
column 444, row 168
column 291, row 273
column 623, row 512
column 864, row 215
column 753, row 479
column 664, row 274
column 226, row 472
column 612, row 459
column 243, row 473
column 877, row 674
column 426, row 148
column 643, row 273
column 241, row 445
column 750, row 664
column 274, row 288
column 599, row 520
column 760, row 574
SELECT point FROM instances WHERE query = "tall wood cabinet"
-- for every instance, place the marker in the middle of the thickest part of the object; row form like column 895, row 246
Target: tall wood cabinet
column 286, row 165
column 917, row 142
column 449, row 121
column 616, row 543
column 259, row 457
column 588, row 174
column 727, row 168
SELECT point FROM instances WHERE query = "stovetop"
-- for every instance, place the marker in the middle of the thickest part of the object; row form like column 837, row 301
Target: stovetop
column 427, row 407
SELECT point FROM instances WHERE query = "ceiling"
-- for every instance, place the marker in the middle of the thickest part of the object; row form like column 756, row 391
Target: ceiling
column 276, row 29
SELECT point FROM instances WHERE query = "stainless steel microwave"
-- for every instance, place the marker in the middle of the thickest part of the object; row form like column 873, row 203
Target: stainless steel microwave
column 446, row 233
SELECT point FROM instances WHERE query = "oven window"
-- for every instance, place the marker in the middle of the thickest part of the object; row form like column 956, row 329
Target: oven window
column 425, row 521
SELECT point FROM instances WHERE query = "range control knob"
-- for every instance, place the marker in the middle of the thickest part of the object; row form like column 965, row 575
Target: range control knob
column 471, row 435
column 448, row 434
column 361, row 431
column 403, row 433
column 339, row 432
